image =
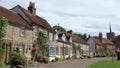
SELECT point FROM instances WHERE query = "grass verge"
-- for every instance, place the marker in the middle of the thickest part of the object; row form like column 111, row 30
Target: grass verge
column 3, row 67
column 105, row 64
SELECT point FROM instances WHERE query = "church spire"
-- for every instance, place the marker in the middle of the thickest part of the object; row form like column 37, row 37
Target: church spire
column 110, row 28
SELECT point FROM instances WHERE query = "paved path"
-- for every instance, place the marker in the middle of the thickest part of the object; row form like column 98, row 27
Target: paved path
column 71, row 63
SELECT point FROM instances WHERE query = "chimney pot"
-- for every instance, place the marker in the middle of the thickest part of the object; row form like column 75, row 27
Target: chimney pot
column 85, row 37
column 32, row 8
column 100, row 36
column 70, row 31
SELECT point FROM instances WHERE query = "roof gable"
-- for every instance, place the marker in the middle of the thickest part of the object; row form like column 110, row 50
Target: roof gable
column 76, row 38
column 13, row 17
column 37, row 20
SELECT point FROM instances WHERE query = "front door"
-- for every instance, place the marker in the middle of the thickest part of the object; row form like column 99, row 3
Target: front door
column 8, row 53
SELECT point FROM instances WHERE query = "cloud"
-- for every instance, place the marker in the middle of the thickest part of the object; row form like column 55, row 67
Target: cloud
column 82, row 16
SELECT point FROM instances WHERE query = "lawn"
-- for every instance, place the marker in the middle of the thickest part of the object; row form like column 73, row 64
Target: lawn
column 105, row 64
column 3, row 67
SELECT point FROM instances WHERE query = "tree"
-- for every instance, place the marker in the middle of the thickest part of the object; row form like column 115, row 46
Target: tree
column 100, row 51
column 79, row 35
column 76, row 48
column 43, row 47
column 59, row 28
column 3, row 30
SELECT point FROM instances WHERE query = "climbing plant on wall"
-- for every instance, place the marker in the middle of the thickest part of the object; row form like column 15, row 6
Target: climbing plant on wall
column 3, row 30
column 43, row 47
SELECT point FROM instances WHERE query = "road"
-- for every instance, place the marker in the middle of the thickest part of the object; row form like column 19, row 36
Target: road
column 71, row 63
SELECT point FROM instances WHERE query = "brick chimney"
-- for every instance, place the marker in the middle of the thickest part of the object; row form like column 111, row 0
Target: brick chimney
column 32, row 8
column 85, row 37
column 100, row 36
column 70, row 31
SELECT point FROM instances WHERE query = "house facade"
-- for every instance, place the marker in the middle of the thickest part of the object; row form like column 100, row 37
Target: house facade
column 38, row 24
column 63, row 45
column 117, row 43
column 83, row 51
column 19, row 34
column 96, row 43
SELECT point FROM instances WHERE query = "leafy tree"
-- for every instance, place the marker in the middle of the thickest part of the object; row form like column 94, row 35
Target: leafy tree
column 96, row 37
column 101, row 51
column 43, row 47
column 59, row 28
column 79, row 35
column 3, row 30
column 76, row 48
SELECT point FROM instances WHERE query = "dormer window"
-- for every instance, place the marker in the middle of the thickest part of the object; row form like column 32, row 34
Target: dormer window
column 22, row 31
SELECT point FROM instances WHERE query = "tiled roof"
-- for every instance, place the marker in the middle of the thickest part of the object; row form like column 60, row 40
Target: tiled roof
column 46, row 24
column 76, row 38
column 97, row 41
column 37, row 20
column 104, row 41
column 12, row 17
column 107, row 41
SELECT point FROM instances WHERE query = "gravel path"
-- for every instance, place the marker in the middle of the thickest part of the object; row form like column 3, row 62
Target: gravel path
column 70, row 63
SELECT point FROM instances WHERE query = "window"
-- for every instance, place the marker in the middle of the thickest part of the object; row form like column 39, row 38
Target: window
column 53, row 38
column 36, row 34
column 22, row 31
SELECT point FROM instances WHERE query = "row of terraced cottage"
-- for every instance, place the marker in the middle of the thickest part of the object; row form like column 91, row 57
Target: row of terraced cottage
column 22, row 33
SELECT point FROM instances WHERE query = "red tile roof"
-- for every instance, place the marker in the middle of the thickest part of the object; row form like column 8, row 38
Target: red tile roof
column 37, row 20
column 76, row 38
column 45, row 23
column 107, row 41
column 12, row 17
column 104, row 41
column 97, row 41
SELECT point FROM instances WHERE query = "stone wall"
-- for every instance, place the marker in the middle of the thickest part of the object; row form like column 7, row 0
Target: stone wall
column 13, row 33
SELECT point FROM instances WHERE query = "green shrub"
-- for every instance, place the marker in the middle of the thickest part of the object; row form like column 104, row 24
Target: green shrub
column 1, row 66
column 18, row 59
column 30, row 62
column 45, row 59
column 38, row 57
column 60, row 59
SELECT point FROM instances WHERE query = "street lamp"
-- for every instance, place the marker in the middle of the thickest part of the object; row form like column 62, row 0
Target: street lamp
column 63, row 39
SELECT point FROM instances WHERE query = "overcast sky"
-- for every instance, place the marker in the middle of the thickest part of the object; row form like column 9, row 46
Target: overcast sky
column 82, row 16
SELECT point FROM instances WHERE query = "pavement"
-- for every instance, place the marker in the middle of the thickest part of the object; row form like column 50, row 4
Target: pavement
column 81, row 63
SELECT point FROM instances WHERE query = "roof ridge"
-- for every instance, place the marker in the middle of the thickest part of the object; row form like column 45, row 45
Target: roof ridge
column 7, row 9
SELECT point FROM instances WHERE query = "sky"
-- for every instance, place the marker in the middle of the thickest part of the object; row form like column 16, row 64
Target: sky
column 81, row 16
